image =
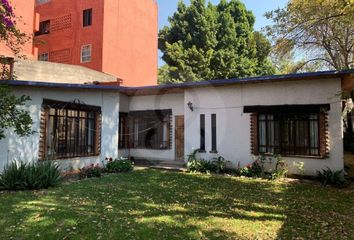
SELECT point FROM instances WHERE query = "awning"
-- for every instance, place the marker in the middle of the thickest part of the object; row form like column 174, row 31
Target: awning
column 305, row 108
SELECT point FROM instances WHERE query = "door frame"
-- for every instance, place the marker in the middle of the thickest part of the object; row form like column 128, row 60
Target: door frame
column 175, row 138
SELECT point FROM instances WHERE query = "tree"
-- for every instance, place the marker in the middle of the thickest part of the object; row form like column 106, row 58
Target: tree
column 321, row 30
column 206, row 41
column 10, row 35
column 12, row 114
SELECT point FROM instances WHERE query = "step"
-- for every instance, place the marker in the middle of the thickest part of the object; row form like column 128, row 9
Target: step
column 169, row 168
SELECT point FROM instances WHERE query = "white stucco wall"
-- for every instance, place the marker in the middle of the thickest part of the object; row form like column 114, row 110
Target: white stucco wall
column 156, row 102
column 233, row 126
column 26, row 148
column 227, row 102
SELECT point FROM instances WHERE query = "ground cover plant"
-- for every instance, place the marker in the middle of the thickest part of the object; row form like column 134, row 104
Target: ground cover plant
column 24, row 176
column 152, row 204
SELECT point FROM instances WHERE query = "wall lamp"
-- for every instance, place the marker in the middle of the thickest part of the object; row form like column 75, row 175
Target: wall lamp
column 190, row 105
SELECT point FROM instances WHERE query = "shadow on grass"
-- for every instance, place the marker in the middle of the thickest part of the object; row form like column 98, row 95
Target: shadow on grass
column 152, row 204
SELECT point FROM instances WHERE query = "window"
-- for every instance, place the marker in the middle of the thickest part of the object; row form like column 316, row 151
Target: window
column 86, row 53
column 150, row 129
column 123, row 130
column 44, row 28
column 289, row 134
column 72, row 130
column 43, row 57
column 202, row 132
column 213, row 133
column 87, row 17
column 290, row 130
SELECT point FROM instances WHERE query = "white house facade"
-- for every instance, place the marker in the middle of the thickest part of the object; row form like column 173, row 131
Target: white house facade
column 297, row 116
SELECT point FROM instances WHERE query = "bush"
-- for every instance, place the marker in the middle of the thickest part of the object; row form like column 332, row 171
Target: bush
column 119, row 165
column 254, row 169
column 220, row 164
column 43, row 175
column 329, row 177
column 91, row 171
column 280, row 170
column 21, row 176
column 200, row 165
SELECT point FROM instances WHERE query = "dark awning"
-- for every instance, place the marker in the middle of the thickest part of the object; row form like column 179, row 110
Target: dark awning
column 305, row 108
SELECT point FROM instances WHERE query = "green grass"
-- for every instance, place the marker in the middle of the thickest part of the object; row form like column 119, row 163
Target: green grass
column 151, row 204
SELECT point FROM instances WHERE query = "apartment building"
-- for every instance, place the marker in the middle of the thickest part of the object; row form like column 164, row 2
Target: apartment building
column 117, row 37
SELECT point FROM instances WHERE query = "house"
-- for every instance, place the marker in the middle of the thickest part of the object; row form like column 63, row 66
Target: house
column 297, row 115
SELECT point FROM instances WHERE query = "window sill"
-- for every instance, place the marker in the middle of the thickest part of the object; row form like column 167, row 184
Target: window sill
column 201, row 151
column 141, row 148
column 72, row 158
column 213, row 151
column 294, row 156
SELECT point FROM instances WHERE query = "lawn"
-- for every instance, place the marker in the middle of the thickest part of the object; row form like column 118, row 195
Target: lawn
column 152, row 204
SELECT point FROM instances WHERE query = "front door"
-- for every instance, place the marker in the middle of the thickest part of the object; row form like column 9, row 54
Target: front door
column 179, row 138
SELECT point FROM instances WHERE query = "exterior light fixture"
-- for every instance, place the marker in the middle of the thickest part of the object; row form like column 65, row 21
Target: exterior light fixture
column 190, row 105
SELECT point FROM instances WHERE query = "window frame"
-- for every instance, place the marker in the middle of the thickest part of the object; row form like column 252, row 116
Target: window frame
column 289, row 122
column 202, row 133
column 62, row 118
column 138, row 126
column 87, row 19
column 213, row 134
column 42, row 30
column 40, row 57
column 123, row 141
column 86, row 56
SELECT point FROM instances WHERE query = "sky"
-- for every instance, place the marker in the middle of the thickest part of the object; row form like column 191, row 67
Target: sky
column 258, row 7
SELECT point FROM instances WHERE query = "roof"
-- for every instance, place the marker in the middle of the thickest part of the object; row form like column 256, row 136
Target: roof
column 171, row 88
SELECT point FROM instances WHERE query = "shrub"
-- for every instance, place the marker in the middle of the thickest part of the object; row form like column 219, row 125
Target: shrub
column 254, row 169
column 43, row 175
column 14, row 176
column 199, row 165
column 119, row 165
column 329, row 177
column 220, row 164
column 21, row 176
column 280, row 170
column 91, row 171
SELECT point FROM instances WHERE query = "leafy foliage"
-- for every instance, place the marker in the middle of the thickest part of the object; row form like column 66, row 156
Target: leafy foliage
column 9, row 33
column 119, row 165
column 199, row 165
column 220, row 164
column 12, row 114
column 254, row 169
column 323, row 30
column 206, row 41
column 39, row 175
column 91, row 171
column 329, row 177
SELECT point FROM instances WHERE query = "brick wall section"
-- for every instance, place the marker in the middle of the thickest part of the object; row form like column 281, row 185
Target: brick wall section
column 254, row 133
column 324, row 135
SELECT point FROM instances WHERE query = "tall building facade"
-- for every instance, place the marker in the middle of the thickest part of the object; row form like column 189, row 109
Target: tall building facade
column 27, row 22
column 117, row 37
